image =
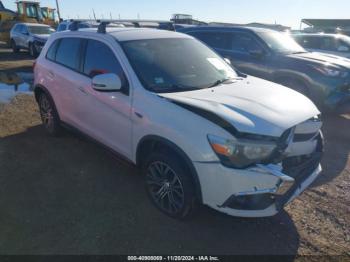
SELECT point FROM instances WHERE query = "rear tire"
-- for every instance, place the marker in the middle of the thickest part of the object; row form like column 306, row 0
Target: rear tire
column 49, row 115
column 14, row 47
column 169, row 185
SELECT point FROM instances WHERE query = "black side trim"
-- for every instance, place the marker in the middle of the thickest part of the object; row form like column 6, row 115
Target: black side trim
column 178, row 150
column 112, row 151
column 304, row 137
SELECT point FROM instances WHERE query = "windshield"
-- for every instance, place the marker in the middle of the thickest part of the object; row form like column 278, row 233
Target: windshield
column 175, row 65
column 281, row 43
column 45, row 13
column 40, row 30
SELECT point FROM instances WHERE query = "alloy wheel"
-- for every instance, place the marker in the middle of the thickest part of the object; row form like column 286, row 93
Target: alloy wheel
column 46, row 112
column 165, row 187
column 31, row 50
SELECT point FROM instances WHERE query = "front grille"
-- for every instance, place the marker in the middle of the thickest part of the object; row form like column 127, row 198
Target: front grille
column 300, row 168
column 307, row 130
column 304, row 137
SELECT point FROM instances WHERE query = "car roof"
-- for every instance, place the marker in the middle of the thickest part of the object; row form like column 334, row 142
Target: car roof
column 320, row 35
column 228, row 28
column 122, row 34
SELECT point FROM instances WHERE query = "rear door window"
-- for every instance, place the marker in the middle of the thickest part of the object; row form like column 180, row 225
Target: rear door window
column 68, row 52
column 218, row 40
column 100, row 59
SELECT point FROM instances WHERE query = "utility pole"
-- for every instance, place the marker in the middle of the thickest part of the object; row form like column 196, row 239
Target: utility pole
column 58, row 11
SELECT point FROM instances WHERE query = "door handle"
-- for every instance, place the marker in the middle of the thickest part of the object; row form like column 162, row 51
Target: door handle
column 51, row 74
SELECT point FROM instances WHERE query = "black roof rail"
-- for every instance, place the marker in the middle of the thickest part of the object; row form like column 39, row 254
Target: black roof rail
column 167, row 25
column 103, row 23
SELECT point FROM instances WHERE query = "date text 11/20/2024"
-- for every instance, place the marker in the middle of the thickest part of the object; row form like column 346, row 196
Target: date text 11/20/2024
column 173, row 258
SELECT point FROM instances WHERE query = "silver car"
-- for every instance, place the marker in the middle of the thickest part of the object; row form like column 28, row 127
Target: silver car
column 334, row 44
column 31, row 37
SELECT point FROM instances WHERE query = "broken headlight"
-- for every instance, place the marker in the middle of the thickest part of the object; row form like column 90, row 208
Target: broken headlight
column 241, row 153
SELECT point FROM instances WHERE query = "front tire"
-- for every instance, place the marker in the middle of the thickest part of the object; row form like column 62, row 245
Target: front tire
column 169, row 185
column 49, row 116
column 14, row 47
column 32, row 51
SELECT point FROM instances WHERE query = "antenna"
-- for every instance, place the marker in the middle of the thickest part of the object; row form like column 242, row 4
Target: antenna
column 93, row 11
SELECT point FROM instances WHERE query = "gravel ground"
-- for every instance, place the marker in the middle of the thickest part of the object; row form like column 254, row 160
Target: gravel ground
column 69, row 196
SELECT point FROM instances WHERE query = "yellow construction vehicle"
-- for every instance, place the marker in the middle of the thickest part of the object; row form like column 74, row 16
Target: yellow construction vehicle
column 27, row 12
column 49, row 16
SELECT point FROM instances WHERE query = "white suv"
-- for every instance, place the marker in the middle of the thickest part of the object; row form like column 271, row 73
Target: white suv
column 200, row 132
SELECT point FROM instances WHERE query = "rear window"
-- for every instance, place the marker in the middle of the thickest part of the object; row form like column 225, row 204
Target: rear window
column 51, row 53
column 68, row 51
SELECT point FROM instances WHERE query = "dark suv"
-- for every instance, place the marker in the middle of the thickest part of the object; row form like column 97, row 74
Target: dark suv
column 277, row 57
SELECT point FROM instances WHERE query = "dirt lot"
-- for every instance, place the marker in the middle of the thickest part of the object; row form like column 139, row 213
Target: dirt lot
column 69, row 196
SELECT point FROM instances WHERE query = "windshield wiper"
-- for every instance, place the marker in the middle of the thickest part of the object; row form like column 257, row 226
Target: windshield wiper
column 174, row 88
column 219, row 82
column 299, row 52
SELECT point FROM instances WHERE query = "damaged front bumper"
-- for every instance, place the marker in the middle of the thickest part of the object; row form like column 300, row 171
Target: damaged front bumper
column 260, row 191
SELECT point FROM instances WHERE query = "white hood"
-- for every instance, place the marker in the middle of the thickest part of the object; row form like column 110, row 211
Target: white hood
column 252, row 105
column 41, row 37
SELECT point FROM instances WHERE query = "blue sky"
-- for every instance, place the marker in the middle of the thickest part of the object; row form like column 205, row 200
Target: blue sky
column 287, row 12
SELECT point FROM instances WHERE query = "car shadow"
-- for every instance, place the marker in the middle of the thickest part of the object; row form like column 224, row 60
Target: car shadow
column 337, row 147
column 70, row 196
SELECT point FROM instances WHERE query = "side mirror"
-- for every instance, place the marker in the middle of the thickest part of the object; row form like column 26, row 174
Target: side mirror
column 257, row 53
column 107, row 82
column 227, row 61
column 343, row 48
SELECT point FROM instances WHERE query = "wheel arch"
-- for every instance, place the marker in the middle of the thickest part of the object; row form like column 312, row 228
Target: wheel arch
column 152, row 142
column 286, row 74
column 301, row 77
column 40, row 89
